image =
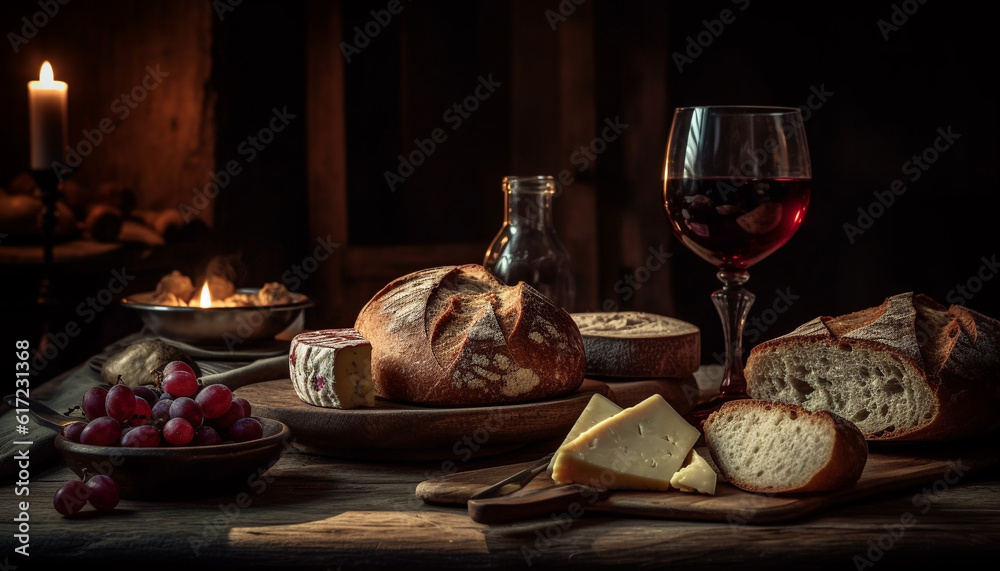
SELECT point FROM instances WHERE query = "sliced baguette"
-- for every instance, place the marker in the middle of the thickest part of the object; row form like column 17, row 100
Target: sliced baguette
column 769, row 447
column 637, row 344
column 908, row 369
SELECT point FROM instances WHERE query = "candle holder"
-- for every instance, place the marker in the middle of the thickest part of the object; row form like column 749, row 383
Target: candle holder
column 48, row 184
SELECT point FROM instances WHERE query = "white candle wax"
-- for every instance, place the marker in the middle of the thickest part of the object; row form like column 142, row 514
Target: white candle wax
column 47, row 118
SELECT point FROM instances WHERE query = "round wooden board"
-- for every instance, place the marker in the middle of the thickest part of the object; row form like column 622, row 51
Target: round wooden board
column 681, row 394
column 406, row 432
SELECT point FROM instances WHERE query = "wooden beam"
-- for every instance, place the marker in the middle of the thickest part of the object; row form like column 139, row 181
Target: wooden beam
column 326, row 148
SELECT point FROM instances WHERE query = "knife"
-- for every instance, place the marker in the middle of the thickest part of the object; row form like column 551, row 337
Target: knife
column 42, row 413
column 515, row 482
column 259, row 371
column 557, row 501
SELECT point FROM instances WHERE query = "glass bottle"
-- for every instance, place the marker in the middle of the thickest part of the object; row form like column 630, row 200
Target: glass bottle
column 527, row 248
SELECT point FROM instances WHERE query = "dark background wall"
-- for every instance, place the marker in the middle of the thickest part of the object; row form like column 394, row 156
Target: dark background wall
column 875, row 97
column 886, row 96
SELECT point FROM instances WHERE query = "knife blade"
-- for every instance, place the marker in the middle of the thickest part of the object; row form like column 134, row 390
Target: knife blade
column 515, row 481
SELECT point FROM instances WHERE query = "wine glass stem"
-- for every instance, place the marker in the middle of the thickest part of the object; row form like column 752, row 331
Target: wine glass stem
column 733, row 304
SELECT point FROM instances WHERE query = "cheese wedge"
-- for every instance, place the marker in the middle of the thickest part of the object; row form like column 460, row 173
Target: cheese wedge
column 695, row 476
column 639, row 448
column 599, row 408
column 332, row 368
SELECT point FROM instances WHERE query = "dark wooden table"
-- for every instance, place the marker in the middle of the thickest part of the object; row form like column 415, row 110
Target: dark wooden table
column 317, row 512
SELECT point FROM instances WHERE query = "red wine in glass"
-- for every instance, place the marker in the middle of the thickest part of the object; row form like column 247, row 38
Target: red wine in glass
column 736, row 183
column 734, row 224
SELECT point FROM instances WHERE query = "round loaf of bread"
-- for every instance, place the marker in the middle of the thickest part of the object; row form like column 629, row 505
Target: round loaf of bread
column 637, row 344
column 457, row 335
column 768, row 447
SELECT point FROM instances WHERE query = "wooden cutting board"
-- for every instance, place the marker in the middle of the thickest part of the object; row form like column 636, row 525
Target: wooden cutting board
column 405, row 432
column 922, row 470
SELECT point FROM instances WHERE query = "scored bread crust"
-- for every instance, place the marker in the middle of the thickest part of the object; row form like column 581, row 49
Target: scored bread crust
column 637, row 344
column 457, row 335
column 846, row 459
column 947, row 358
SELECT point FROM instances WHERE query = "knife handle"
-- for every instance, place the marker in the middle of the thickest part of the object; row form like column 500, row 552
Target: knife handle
column 259, row 371
column 558, row 500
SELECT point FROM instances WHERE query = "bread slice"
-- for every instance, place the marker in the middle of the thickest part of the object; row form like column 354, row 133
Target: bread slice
column 768, row 447
column 639, row 345
column 908, row 369
column 458, row 336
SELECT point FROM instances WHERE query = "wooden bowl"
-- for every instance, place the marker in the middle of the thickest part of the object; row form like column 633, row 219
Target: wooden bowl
column 182, row 472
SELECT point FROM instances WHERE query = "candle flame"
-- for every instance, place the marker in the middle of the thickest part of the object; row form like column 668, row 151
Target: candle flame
column 206, row 297
column 46, row 76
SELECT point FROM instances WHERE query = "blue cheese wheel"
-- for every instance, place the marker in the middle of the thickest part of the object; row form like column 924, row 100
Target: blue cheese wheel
column 332, row 368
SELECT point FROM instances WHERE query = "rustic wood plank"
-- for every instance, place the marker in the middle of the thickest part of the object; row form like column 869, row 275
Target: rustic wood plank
column 311, row 512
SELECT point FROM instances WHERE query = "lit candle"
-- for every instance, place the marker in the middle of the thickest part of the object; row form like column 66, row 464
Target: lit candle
column 47, row 117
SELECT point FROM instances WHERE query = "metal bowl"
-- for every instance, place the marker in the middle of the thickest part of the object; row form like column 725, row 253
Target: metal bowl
column 217, row 326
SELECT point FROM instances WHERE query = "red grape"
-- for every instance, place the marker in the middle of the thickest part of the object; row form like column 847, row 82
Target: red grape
column 72, row 431
column 188, row 409
column 142, row 437
column 178, row 432
column 120, row 402
column 214, row 400
column 177, row 366
column 93, row 402
column 180, row 383
column 161, row 411
column 143, row 412
column 245, row 403
column 234, row 413
column 206, row 436
column 103, row 492
column 147, row 394
column 245, row 429
column 71, row 497
column 102, row 431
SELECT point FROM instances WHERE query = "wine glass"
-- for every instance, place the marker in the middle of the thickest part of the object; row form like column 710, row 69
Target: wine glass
column 736, row 184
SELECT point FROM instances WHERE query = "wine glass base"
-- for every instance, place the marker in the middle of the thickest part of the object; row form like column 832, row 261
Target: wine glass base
column 700, row 413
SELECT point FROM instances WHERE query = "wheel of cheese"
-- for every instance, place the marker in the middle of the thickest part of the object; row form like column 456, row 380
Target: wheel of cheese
column 637, row 344
column 332, row 368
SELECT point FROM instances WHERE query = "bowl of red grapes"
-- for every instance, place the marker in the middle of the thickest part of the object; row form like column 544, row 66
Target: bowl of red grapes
column 177, row 439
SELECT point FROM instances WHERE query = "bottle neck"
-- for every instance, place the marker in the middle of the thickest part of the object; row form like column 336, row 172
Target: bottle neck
column 529, row 205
